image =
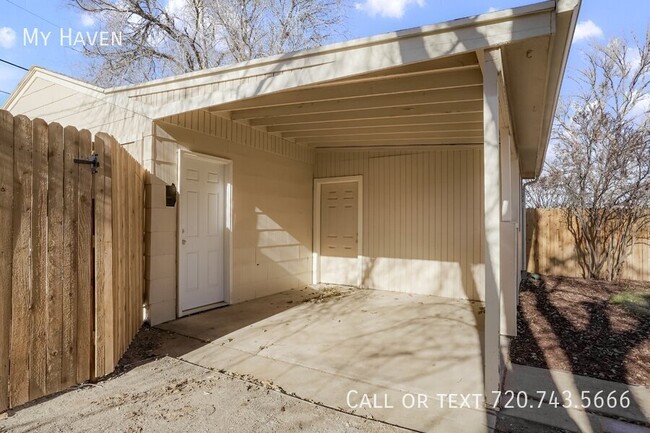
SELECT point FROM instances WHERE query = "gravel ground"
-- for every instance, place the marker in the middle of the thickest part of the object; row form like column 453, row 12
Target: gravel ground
column 569, row 324
column 169, row 395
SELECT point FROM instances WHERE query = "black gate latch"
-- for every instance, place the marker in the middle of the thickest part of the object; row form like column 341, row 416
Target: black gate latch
column 93, row 161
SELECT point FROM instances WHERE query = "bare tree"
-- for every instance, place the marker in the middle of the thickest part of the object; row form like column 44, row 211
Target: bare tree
column 180, row 36
column 601, row 168
column 544, row 192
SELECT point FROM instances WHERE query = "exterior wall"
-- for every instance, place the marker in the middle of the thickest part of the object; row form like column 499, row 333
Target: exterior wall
column 423, row 217
column 54, row 102
column 272, row 199
column 160, row 252
column 510, row 233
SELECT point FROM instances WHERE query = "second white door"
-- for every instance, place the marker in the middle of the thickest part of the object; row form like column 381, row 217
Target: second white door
column 201, row 237
column 339, row 235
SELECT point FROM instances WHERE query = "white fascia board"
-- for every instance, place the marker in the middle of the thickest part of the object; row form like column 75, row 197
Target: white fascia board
column 561, row 47
column 20, row 89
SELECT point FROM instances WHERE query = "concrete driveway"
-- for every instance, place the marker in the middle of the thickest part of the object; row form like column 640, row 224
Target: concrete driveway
column 409, row 360
column 167, row 395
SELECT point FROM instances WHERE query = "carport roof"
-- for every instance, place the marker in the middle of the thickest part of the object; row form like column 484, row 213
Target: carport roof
column 421, row 86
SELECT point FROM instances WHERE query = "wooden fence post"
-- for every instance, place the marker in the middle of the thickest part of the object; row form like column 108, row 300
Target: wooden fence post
column 37, row 353
column 54, row 294
column 21, row 288
column 85, row 322
column 70, row 255
column 6, row 247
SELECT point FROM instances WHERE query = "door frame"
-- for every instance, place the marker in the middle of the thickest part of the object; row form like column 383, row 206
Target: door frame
column 228, row 230
column 318, row 183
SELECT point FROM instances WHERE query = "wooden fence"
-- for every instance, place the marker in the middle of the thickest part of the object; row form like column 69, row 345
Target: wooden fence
column 71, row 257
column 551, row 248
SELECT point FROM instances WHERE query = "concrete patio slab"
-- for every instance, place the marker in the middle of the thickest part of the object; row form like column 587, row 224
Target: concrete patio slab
column 369, row 352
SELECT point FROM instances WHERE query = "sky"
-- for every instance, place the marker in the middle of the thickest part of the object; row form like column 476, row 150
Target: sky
column 599, row 21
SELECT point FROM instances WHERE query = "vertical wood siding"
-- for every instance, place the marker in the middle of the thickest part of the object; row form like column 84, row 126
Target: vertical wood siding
column 423, row 214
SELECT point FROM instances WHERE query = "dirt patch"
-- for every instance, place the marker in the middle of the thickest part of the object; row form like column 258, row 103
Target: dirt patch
column 326, row 292
column 150, row 344
column 570, row 324
column 142, row 348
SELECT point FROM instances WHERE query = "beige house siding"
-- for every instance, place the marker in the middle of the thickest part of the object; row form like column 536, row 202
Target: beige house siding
column 423, row 217
column 55, row 102
column 272, row 195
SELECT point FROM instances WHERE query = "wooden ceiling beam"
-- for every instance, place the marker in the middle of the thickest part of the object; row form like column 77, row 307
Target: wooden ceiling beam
column 388, row 112
column 404, row 135
column 404, row 142
column 471, row 93
column 433, row 119
column 437, row 79
column 385, row 129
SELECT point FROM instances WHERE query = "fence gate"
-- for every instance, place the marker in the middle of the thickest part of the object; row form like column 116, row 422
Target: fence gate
column 71, row 256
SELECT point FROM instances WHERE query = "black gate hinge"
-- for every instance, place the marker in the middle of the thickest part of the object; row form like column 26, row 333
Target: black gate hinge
column 93, row 161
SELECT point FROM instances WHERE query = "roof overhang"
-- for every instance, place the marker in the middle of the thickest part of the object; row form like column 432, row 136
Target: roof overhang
column 421, row 86
column 349, row 59
column 533, row 71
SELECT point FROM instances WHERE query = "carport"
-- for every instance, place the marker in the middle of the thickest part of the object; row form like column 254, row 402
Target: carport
column 415, row 143
column 375, row 353
column 392, row 162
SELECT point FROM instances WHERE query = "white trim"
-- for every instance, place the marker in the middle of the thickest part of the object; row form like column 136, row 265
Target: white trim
column 228, row 244
column 318, row 183
column 492, row 67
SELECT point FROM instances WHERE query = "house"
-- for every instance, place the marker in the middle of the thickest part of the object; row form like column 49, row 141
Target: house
column 392, row 162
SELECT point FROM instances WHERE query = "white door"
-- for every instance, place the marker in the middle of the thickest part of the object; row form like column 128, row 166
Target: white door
column 339, row 238
column 201, row 237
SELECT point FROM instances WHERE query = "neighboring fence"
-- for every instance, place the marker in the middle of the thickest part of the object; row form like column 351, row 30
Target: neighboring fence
column 71, row 257
column 551, row 248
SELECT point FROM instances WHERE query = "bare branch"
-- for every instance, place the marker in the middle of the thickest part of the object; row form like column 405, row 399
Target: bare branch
column 601, row 170
column 162, row 38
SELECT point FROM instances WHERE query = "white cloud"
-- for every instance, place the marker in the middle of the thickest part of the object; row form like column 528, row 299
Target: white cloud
column 644, row 103
column 175, row 6
column 385, row 8
column 7, row 37
column 641, row 108
column 134, row 19
column 633, row 58
column 586, row 30
column 87, row 20
column 492, row 9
